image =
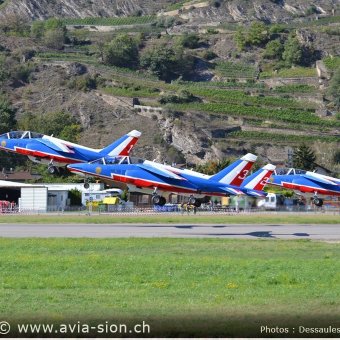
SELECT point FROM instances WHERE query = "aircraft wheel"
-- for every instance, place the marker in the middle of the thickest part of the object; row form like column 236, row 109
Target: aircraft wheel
column 198, row 203
column 156, row 199
column 192, row 201
column 162, row 201
column 52, row 170
column 318, row 201
column 86, row 185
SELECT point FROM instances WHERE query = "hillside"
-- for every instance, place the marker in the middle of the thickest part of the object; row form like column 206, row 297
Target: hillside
column 224, row 95
column 195, row 11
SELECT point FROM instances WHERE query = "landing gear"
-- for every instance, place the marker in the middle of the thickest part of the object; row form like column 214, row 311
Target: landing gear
column 158, row 200
column 53, row 170
column 194, row 201
column 86, row 183
column 318, row 201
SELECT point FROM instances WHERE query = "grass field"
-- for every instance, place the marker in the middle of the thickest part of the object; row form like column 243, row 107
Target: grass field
column 189, row 287
column 254, row 218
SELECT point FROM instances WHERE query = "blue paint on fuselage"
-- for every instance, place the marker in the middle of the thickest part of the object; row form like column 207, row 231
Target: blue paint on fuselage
column 301, row 180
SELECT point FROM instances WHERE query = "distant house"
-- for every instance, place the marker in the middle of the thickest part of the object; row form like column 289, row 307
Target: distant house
column 18, row 176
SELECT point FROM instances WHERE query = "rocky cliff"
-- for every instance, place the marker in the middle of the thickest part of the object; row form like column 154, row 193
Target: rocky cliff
column 194, row 11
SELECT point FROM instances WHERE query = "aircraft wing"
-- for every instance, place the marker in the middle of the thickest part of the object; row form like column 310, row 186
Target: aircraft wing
column 160, row 172
column 319, row 180
column 56, row 146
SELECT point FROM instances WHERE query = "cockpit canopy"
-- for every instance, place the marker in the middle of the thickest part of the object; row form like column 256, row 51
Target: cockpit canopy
column 289, row 171
column 110, row 160
column 21, row 135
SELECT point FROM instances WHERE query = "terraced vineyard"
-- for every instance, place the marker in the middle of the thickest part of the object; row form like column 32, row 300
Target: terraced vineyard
column 219, row 97
column 285, row 115
column 296, row 72
column 235, row 70
column 279, row 138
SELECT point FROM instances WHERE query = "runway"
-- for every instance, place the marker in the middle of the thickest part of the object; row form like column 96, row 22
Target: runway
column 241, row 231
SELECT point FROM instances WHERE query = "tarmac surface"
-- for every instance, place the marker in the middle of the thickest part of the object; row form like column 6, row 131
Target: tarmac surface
column 327, row 232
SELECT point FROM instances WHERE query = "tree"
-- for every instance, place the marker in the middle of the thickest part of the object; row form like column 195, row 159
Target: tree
column 7, row 116
column 257, row 34
column 304, row 157
column 273, row 50
column 75, row 197
column 59, row 124
column 166, row 62
column 240, row 39
column 292, row 54
column 55, row 38
column 213, row 167
column 122, row 51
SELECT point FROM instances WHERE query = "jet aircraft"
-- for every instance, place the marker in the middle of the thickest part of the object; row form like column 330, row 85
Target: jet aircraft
column 155, row 178
column 307, row 182
column 56, row 152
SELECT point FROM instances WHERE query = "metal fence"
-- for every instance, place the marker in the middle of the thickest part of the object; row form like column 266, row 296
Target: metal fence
column 168, row 210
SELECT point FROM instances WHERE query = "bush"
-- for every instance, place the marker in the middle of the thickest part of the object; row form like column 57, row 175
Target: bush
column 83, row 83
column 292, row 54
column 256, row 35
column 54, row 38
column 274, row 50
column 166, row 62
column 190, row 40
column 122, row 51
column 165, row 22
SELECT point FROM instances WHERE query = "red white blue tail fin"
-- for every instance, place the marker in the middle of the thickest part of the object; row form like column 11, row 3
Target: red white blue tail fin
column 259, row 179
column 123, row 145
column 235, row 173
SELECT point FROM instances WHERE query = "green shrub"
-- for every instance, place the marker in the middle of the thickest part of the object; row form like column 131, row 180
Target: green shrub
column 122, row 51
column 190, row 40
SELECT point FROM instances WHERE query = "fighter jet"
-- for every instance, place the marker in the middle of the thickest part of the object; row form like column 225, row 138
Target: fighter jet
column 57, row 153
column 307, row 182
column 155, row 178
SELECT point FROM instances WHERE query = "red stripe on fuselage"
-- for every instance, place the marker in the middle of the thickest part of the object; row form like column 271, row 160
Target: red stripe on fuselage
column 35, row 153
column 304, row 188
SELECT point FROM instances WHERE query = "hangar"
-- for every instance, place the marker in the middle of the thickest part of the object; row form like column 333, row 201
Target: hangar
column 43, row 197
column 26, row 196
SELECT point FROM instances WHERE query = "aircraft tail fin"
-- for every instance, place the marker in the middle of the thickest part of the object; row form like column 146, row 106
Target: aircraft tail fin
column 235, row 173
column 259, row 179
column 123, row 145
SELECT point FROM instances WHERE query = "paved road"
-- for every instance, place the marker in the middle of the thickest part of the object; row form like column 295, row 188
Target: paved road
column 242, row 231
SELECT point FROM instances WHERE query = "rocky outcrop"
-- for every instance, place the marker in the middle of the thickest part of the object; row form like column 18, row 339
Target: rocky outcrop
column 42, row 9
